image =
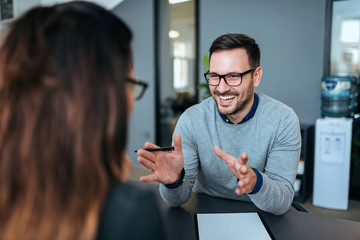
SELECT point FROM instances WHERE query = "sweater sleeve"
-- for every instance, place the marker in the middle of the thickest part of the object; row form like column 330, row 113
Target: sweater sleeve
column 277, row 191
column 177, row 196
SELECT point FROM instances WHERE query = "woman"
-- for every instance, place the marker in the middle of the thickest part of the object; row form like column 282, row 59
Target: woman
column 65, row 95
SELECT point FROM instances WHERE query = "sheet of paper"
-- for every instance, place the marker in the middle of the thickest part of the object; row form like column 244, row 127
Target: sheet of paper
column 229, row 226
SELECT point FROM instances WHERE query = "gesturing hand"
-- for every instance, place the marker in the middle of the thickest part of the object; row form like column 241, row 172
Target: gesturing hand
column 166, row 166
column 240, row 168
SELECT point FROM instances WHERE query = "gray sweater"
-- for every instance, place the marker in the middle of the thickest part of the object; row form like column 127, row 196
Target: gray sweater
column 271, row 139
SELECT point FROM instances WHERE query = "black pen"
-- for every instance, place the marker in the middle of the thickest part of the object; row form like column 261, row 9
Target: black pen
column 158, row 149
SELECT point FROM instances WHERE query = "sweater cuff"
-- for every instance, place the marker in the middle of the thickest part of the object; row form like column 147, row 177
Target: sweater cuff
column 179, row 183
column 259, row 181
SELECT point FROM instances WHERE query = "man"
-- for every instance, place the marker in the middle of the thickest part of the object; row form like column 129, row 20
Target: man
column 238, row 144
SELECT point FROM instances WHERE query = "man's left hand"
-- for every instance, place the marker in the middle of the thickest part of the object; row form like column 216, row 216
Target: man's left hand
column 240, row 168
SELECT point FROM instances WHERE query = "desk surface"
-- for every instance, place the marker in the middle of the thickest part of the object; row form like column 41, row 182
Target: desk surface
column 180, row 221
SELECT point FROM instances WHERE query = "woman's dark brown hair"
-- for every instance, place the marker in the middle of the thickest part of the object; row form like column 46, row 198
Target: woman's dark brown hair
column 63, row 121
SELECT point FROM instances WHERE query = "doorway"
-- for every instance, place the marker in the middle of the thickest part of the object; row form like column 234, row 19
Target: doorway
column 176, row 33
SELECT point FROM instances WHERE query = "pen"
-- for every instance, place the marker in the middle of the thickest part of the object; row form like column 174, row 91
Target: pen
column 159, row 149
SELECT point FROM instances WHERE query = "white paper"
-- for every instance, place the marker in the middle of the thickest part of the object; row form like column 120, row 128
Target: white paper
column 231, row 226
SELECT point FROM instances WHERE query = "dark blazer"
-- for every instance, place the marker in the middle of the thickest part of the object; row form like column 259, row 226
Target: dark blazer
column 131, row 212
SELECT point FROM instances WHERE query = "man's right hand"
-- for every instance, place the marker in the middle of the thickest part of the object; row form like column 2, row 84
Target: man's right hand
column 166, row 166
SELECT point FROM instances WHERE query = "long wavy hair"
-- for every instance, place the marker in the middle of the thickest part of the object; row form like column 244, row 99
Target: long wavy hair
column 63, row 119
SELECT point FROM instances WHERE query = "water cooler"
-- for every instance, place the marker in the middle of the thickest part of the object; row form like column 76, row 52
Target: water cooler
column 333, row 136
column 332, row 162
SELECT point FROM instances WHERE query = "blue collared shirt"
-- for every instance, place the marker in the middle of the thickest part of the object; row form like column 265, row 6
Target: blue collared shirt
column 248, row 116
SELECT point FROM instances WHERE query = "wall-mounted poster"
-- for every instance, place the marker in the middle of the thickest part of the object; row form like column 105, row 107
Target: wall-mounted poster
column 6, row 9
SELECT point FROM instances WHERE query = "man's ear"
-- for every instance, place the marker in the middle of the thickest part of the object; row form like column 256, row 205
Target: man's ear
column 257, row 76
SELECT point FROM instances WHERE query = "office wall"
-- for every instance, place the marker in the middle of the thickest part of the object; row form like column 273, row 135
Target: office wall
column 139, row 15
column 290, row 34
column 23, row 5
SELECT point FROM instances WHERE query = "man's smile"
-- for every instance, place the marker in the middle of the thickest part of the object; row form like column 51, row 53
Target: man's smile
column 227, row 98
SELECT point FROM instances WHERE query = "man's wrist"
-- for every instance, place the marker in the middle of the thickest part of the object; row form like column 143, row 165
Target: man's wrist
column 259, row 182
column 177, row 183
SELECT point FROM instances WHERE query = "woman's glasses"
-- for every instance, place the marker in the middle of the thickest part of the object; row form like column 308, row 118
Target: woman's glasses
column 139, row 88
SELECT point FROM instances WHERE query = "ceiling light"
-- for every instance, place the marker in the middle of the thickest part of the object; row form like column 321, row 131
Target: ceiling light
column 173, row 34
column 177, row 1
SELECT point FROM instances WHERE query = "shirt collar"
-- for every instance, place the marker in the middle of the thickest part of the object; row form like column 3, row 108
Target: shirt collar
column 250, row 114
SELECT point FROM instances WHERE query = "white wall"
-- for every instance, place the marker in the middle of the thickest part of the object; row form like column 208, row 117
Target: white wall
column 139, row 15
column 290, row 34
column 20, row 6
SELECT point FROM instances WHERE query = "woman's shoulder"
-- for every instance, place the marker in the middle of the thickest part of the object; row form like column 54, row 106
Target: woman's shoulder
column 126, row 204
column 128, row 196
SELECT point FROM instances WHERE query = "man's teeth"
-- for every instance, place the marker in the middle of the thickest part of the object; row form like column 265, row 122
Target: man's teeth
column 225, row 98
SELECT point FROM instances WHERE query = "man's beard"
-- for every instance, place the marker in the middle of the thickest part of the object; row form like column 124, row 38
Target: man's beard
column 240, row 104
column 238, row 107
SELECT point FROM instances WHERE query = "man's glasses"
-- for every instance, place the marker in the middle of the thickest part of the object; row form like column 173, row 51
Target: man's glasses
column 231, row 79
column 139, row 88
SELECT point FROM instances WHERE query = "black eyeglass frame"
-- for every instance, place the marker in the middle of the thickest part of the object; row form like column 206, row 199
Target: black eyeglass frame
column 138, row 82
column 223, row 77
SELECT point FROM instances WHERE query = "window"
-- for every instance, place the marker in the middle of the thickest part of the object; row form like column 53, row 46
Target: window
column 345, row 38
column 177, row 83
column 182, row 78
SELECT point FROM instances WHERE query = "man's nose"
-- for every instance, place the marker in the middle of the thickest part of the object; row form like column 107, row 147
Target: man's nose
column 222, row 87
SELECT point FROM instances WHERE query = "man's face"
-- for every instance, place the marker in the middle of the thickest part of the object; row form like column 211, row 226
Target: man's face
column 234, row 102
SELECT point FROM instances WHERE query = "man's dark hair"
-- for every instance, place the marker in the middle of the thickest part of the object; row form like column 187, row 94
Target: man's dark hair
column 236, row 40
